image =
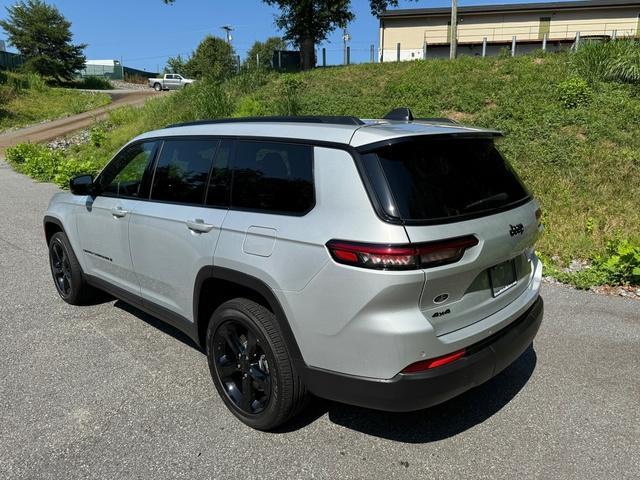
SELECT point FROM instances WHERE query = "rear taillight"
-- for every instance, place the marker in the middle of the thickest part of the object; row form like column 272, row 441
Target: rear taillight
column 400, row 257
column 434, row 362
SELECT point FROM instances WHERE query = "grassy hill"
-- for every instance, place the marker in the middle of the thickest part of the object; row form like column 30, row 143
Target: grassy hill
column 577, row 146
column 27, row 99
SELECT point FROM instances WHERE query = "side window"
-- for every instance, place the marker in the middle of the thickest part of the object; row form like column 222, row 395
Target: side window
column 274, row 177
column 218, row 190
column 125, row 174
column 182, row 171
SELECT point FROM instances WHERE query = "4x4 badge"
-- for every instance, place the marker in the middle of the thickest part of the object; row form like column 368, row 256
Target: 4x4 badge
column 516, row 229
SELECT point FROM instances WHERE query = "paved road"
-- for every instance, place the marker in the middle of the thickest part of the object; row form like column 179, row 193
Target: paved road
column 44, row 132
column 108, row 392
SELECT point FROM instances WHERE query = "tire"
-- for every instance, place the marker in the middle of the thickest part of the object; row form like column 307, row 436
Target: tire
column 157, row 87
column 67, row 273
column 247, row 354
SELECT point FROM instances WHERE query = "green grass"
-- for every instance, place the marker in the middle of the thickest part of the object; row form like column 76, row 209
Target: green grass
column 26, row 100
column 580, row 159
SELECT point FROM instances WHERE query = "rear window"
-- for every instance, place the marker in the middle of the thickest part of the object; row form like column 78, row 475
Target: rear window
column 438, row 180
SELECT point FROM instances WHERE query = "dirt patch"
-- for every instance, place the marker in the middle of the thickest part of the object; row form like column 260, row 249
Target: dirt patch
column 538, row 61
column 578, row 132
column 458, row 116
column 490, row 103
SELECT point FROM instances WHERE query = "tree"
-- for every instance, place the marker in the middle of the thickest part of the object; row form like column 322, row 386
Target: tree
column 43, row 36
column 307, row 22
column 176, row 65
column 265, row 52
column 214, row 58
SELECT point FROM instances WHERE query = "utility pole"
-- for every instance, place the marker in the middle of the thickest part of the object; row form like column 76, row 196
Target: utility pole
column 454, row 29
column 345, row 38
column 228, row 29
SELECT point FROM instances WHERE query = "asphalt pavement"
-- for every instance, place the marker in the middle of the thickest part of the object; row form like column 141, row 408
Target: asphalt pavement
column 106, row 391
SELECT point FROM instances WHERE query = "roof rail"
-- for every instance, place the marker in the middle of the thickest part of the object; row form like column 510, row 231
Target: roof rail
column 336, row 120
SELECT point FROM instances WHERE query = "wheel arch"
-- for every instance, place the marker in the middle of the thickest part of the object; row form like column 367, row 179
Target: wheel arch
column 52, row 225
column 216, row 285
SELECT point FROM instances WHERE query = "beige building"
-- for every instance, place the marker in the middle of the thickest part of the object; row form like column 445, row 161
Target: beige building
column 428, row 29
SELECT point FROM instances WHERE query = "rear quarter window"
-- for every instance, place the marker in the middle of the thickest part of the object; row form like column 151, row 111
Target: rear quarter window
column 273, row 177
column 442, row 180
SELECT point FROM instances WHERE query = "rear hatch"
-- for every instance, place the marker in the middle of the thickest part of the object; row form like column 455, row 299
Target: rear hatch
column 448, row 187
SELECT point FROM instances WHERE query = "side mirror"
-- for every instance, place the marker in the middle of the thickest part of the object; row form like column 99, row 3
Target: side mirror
column 82, row 185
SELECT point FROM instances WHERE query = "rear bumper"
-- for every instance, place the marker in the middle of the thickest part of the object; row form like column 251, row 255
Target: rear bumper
column 408, row 392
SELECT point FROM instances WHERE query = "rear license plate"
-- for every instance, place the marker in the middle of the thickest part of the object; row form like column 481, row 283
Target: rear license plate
column 502, row 277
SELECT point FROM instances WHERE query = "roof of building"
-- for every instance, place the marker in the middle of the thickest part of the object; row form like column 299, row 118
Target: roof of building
column 512, row 7
column 103, row 62
column 356, row 135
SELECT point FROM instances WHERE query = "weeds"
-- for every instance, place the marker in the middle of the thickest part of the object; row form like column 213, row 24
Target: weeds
column 574, row 93
column 617, row 60
column 94, row 83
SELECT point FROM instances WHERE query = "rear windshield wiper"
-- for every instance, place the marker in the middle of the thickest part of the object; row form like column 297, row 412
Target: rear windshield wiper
column 498, row 197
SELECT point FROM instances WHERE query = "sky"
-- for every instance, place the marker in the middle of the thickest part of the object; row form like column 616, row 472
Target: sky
column 144, row 33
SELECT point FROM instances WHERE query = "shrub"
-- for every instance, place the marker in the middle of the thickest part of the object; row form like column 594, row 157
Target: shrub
column 289, row 87
column 37, row 161
column 95, row 83
column 625, row 67
column 591, row 61
column 6, row 95
column 574, row 93
column 621, row 263
column 18, row 155
column 71, row 167
column 17, row 84
column 35, row 82
column 97, row 136
column 45, row 165
column 248, row 107
column 207, row 99
column 129, row 78
column 617, row 61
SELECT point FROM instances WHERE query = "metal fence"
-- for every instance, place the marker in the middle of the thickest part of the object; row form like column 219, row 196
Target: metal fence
column 114, row 72
column 10, row 61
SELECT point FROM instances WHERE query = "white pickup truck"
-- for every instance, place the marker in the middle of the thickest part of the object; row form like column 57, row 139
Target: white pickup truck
column 171, row 81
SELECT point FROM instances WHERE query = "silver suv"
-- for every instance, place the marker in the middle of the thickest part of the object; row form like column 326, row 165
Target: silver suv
column 382, row 263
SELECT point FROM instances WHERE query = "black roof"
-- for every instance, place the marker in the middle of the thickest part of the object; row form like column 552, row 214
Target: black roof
column 511, row 7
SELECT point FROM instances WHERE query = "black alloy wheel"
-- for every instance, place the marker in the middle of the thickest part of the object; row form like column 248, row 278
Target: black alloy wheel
column 61, row 269
column 242, row 366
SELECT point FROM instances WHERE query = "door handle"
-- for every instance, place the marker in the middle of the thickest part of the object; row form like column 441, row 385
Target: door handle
column 119, row 212
column 199, row 226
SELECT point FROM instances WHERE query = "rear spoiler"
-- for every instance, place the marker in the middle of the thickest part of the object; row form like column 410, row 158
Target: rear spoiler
column 463, row 134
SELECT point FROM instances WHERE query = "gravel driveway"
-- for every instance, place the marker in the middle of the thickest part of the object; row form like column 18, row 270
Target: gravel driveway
column 108, row 392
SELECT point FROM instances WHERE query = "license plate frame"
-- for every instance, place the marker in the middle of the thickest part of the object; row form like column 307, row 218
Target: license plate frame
column 503, row 277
